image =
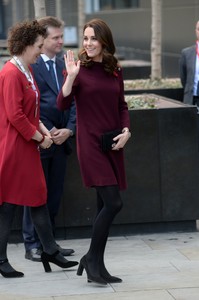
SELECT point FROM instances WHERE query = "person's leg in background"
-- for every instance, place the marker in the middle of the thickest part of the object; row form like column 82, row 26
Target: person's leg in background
column 54, row 170
column 32, row 243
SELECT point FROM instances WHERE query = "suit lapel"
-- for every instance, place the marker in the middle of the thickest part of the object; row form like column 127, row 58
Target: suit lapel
column 193, row 58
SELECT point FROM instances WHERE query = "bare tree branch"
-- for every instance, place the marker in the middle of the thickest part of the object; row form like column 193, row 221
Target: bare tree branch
column 40, row 8
column 156, row 39
column 81, row 21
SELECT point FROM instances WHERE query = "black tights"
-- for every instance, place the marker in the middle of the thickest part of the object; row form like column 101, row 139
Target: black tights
column 109, row 203
column 41, row 220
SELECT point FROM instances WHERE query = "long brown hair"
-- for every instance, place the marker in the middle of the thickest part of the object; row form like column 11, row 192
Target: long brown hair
column 104, row 36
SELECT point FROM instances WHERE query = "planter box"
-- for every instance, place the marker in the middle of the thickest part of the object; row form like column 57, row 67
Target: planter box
column 135, row 69
column 162, row 163
column 173, row 93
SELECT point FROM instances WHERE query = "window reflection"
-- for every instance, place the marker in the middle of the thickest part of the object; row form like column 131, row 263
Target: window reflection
column 117, row 4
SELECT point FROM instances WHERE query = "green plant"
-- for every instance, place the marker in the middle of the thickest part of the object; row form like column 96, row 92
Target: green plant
column 144, row 101
column 147, row 84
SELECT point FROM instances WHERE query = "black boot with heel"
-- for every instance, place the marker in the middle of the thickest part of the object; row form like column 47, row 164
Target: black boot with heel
column 9, row 274
column 53, row 258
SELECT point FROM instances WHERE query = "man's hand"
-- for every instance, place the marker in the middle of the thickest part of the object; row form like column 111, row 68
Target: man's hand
column 59, row 136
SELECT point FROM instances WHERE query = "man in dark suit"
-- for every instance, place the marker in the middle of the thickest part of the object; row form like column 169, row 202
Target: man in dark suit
column 49, row 73
column 189, row 71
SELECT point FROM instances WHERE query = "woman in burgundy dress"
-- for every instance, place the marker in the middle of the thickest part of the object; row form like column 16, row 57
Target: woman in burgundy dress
column 22, row 180
column 96, row 84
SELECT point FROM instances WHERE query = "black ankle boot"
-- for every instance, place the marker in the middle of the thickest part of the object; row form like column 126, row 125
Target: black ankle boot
column 11, row 274
column 46, row 258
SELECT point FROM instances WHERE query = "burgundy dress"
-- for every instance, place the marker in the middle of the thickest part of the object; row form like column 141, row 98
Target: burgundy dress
column 22, row 180
column 100, row 108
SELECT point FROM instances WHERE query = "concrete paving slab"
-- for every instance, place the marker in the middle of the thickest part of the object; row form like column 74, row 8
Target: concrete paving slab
column 153, row 267
column 185, row 294
column 137, row 295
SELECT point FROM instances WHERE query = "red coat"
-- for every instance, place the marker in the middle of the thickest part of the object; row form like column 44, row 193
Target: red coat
column 100, row 107
column 22, row 180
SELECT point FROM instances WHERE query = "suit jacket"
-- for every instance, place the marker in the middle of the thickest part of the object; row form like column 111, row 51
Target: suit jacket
column 50, row 115
column 187, row 72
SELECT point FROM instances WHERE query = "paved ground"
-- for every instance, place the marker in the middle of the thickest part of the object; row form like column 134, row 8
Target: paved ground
column 161, row 266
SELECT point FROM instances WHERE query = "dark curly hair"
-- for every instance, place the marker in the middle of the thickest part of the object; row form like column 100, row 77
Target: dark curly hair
column 104, row 36
column 22, row 35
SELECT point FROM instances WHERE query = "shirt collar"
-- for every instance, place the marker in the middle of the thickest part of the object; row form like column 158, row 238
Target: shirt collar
column 45, row 57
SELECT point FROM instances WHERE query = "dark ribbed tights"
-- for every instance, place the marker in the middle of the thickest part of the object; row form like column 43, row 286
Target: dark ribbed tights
column 109, row 203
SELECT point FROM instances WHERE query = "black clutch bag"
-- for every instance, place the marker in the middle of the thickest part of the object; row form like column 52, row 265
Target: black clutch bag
column 107, row 139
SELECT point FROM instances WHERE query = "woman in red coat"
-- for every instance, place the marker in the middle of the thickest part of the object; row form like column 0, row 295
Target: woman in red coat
column 22, row 180
column 96, row 83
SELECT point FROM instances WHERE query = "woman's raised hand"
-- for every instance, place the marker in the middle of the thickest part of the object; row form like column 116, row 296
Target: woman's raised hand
column 72, row 67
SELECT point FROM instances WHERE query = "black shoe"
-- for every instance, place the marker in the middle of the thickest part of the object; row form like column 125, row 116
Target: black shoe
column 11, row 274
column 65, row 252
column 107, row 277
column 33, row 254
column 112, row 279
column 90, row 277
column 54, row 258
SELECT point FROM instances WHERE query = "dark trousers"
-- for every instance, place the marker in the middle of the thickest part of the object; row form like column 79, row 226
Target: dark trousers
column 196, row 102
column 54, row 168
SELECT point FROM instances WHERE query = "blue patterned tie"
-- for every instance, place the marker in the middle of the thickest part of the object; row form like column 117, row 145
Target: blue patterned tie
column 52, row 72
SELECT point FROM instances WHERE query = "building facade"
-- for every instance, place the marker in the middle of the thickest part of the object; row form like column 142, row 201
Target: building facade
column 130, row 21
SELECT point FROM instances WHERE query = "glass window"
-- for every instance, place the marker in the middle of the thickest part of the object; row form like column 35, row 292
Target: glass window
column 1, row 21
column 117, row 4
